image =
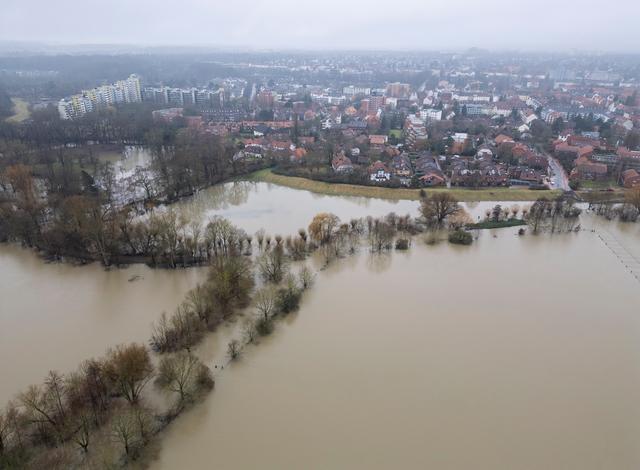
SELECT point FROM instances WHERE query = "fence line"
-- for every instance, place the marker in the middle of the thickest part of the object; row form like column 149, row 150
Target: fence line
column 628, row 259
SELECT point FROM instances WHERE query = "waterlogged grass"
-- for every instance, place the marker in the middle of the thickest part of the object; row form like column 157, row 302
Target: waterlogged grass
column 594, row 196
column 20, row 110
column 338, row 189
column 500, row 224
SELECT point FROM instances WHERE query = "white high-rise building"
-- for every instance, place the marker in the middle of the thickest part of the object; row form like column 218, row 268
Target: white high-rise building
column 123, row 91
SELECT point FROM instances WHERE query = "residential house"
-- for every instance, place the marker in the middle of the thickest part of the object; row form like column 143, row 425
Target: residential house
column 378, row 140
column 379, row 172
column 250, row 152
column 433, row 178
column 424, row 163
column 629, row 158
column 460, row 137
column 585, row 169
column 341, row 163
column 503, row 139
column 484, row 153
column 428, row 171
column 401, row 168
column 631, row 179
column 563, row 149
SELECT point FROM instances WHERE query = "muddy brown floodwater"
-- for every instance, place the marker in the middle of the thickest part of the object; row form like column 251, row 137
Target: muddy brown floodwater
column 52, row 316
column 516, row 353
column 519, row 353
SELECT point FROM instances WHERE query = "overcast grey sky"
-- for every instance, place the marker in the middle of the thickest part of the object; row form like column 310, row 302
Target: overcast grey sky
column 329, row 24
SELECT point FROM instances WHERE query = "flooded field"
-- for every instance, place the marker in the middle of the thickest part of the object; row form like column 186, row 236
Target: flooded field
column 519, row 353
column 277, row 209
column 52, row 316
column 516, row 352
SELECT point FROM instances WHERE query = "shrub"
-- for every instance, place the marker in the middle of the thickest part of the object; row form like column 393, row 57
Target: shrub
column 264, row 326
column 460, row 237
column 402, row 244
column 288, row 299
column 234, row 349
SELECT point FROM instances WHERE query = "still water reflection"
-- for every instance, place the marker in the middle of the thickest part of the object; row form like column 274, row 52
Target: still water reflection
column 518, row 353
column 52, row 316
column 277, row 209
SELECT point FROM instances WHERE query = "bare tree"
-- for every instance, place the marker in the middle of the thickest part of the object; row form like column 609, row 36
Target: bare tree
column 381, row 235
column 5, row 432
column 632, row 197
column 124, row 430
column 249, row 330
column 306, row 277
column 82, row 432
column 273, row 265
column 40, row 410
column 184, row 374
column 130, row 368
column 437, row 207
column 260, row 237
column 323, row 226
column 234, row 349
column 265, row 302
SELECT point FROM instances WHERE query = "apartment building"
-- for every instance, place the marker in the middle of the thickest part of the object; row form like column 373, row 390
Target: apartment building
column 123, row 91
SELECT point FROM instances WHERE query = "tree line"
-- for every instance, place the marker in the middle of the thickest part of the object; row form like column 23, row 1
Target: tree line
column 97, row 416
column 59, row 199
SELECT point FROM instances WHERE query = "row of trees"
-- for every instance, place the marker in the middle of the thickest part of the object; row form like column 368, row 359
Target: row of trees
column 96, row 415
column 227, row 290
column 627, row 211
column 553, row 214
column 233, row 274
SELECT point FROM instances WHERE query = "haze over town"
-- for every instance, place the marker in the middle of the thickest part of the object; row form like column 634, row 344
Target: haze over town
column 545, row 25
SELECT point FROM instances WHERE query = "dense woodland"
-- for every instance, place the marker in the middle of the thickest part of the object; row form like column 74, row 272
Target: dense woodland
column 52, row 200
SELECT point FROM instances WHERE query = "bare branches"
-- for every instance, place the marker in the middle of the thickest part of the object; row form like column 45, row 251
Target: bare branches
column 129, row 367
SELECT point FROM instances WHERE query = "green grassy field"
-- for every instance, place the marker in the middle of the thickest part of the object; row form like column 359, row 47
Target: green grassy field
column 488, row 224
column 20, row 110
column 461, row 194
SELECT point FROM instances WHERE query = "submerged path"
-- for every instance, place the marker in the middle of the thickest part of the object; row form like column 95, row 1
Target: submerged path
column 628, row 259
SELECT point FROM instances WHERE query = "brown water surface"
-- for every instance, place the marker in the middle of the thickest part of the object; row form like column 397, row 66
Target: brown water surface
column 515, row 353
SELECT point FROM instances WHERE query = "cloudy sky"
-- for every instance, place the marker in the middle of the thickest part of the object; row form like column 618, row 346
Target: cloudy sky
column 330, row 24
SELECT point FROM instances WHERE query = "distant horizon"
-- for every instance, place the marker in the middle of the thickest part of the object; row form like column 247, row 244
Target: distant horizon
column 34, row 46
column 337, row 25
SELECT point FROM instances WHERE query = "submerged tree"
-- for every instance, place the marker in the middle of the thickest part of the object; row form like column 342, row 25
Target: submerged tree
column 437, row 207
column 230, row 283
column 130, row 368
column 265, row 302
column 183, row 374
column 273, row 265
column 322, row 227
